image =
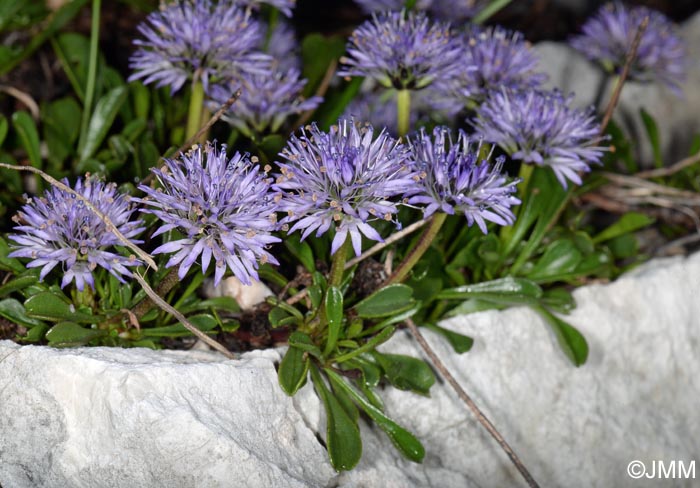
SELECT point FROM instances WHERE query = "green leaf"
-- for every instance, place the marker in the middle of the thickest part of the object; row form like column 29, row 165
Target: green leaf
column 489, row 10
column 301, row 251
column 62, row 16
column 506, row 287
column 371, row 373
column 293, row 370
column 61, row 125
column 317, row 53
column 403, row 440
column 4, row 127
column 386, row 301
column 559, row 300
column 381, row 337
column 36, row 334
column 101, row 121
column 653, row 134
column 571, row 340
column 271, row 145
column 355, row 328
column 9, row 264
column 342, row 432
column 473, row 305
column 336, row 102
column 219, row 303
column 405, row 372
column 346, row 402
column 302, row 341
column 623, row 149
column 15, row 312
column 561, row 256
column 28, row 134
column 51, row 306
column 72, row 334
column 628, row 223
column 334, row 314
column 460, row 343
column 544, row 198
column 315, row 295
column 18, row 283
column 203, row 322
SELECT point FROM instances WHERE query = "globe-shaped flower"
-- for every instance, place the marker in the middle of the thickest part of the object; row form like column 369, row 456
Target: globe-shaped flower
column 58, row 228
column 266, row 101
column 197, row 39
column 607, row 37
column 402, row 50
column 540, row 127
column 222, row 206
column 453, row 180
column 499, row 58
column 346, row 178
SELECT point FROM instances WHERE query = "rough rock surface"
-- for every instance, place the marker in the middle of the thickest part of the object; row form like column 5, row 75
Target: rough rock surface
column 138, row 418
column 676, row 117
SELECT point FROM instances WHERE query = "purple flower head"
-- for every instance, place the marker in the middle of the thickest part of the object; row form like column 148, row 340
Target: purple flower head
column 540, row 127
column 402, row 50
column 58, row 228
column 266, row 101
column 346, row 178
column 453, row 180
column 197, row 39
column 222, row 206
column 284, row 6
column 498, row 58
column 608, row 36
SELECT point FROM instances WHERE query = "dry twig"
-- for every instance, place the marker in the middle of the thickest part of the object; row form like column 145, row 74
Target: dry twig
column 673, row 169
column 631, row 54
column 483, row 420
column 181, row 318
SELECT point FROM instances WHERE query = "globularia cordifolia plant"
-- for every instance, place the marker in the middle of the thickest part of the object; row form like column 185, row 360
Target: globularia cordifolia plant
column 322, row 212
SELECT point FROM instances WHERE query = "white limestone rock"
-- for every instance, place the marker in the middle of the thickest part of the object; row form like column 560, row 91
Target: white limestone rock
column 676, row 117
column 138, row 418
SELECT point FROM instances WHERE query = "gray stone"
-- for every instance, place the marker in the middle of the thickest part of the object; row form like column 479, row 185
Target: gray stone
column 138, row 418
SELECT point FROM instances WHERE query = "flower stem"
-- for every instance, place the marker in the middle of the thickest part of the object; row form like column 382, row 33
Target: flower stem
column 525, row 174
column 338, row 267
column 194, row 112
column 92, row 72
column 424, row 242
column 403, row 111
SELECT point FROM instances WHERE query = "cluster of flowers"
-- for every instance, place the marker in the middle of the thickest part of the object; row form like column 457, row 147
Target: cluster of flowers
column 226, row 208
column 493, row 72
column 345, row 179
column 223, row 45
